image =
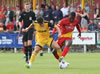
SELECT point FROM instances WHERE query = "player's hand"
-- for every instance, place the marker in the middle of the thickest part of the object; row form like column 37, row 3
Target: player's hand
column 26, row 29
column 23, row 30
column 59, row 34
column 79, row 35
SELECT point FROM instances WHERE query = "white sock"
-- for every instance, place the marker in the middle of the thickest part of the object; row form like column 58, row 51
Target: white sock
column 29, row 64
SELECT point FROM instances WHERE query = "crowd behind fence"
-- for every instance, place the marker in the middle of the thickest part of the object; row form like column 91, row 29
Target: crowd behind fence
column 9, row 19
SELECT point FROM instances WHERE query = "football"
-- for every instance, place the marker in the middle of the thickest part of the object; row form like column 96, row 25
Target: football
column 63, row 65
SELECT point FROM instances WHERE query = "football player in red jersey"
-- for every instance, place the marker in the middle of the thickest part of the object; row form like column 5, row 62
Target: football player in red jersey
column 65, row 30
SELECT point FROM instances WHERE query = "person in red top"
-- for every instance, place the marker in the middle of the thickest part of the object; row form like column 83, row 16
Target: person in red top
column 78, row 11
column 10, row 26
column 65, row 31
column 1, row 26
column 2, row 12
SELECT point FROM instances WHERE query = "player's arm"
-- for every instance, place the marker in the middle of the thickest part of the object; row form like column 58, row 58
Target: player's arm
column 18, row 36
column 79, row 30
column 61, row 23
column 53, row 31
column 58, row 30
column 20, row 31
column 20, row 23
column 30, row 26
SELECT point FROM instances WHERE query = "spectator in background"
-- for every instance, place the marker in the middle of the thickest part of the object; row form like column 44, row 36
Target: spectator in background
column 38, row 12
column 58, row 15
column 87, row 8
column 65, row 10
column 42, row 10
column 31, row 6
column 1, row 26
column 92, row 27
column 2, row 14
column 52, row 9
column 42, row 7
column 72, row 8
column 9, row 15
column 84, row 20
column 3, row 9
column 78, row 11
column 47, row 14
column 2, row 17
column 10, row 26
column 17, row 14
column 97, row 14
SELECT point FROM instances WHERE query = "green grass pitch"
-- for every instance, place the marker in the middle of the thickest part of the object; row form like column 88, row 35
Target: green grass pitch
column 80, row 63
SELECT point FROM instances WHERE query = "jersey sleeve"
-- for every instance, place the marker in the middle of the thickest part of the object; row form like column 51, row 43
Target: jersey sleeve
column 21, row 17
column 61, row 23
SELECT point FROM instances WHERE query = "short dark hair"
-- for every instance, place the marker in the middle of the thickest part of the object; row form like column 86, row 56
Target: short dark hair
column 73, row 14
column 42, row 6
column 40, row 20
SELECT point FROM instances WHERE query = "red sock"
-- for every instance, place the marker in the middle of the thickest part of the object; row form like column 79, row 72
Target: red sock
column 65, row 51
column 23, row 49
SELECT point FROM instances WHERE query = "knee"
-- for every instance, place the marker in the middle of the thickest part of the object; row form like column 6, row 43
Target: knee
column 69, row 43
column 36, row 51
column 29, row 43
column 57, row 47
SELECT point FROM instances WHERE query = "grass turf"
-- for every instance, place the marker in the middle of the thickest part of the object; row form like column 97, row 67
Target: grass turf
column 13, row 63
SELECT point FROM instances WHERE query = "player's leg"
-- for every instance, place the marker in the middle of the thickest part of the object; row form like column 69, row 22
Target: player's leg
column 61, row 60
column 68, row 43
column 30, row 37
column 24, row 51
column 54, row 52
column 35, row 52
column 29, row 48
column 41, row 53
column 25, row 45
column 50, row 43
column 57, row 52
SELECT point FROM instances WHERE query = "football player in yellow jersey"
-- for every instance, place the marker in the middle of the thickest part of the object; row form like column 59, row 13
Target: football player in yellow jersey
column 42, row 38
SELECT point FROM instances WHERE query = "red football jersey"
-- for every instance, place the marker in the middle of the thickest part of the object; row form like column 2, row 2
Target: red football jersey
column 67, row 26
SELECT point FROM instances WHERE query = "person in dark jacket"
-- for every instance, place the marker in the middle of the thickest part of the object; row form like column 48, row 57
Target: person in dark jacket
column 92, row 27
column 9, row 14
column 47, row 14
column 58, row 15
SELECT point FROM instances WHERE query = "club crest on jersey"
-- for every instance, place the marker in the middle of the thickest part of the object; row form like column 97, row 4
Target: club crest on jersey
column 70, row 24
column 24, row 14
column 30, row 18
column 43, row 27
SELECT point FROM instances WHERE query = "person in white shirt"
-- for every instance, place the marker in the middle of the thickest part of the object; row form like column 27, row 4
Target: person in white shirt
column 65, row 10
